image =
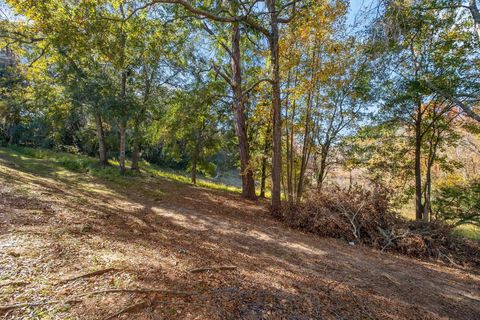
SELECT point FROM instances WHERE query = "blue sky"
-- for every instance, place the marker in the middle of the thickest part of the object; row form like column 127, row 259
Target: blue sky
column 356, row 5
column 359, row 6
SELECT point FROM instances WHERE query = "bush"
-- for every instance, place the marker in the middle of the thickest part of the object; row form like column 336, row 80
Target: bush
column 458, row 204
column 76, row 164
column 67, row 148
column 365, row 217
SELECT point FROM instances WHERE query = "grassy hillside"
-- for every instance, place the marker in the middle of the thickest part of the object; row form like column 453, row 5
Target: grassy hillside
column 67, row 162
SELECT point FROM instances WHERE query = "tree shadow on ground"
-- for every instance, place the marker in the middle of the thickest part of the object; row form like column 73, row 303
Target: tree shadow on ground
column 154, row 242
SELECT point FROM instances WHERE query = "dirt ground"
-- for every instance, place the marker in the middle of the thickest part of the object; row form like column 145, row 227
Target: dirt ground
column 55, row 225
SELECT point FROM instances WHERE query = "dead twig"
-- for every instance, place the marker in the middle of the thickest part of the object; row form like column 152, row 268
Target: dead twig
column 88, row 275
column 440, row 254
column 391, row 279
column 213, row 268
column 390, row 237
column 13, row 283
column 36, row 304
column 139, row 290
column 78, row 297
column 351, row 218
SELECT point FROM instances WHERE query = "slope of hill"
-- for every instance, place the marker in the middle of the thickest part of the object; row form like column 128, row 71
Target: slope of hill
column 75, row 246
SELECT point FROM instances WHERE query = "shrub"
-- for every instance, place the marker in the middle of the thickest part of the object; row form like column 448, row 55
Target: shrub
column 458, row 204
column 76, row 164
column 67, row 149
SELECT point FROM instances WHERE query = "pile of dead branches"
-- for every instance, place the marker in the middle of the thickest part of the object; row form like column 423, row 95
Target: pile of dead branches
column 364, row 217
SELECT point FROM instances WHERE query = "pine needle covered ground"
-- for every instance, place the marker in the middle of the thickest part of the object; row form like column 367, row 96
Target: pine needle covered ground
column 76, row 244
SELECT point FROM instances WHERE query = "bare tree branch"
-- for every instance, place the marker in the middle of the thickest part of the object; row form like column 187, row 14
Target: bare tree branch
column 246, row 92
column 465, row 107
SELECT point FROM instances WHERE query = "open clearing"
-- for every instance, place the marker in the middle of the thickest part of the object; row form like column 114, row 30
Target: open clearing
column 56, row 225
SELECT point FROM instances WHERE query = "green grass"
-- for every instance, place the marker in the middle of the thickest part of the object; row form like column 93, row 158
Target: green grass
column 53, row 160
column 468, row 231
column 182, row 177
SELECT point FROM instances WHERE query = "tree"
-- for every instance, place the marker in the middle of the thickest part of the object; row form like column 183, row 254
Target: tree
column 326, row 79
column 458, row 204
column 420, row 57
column 192, row 122
column 271, row 32
column 454, row 18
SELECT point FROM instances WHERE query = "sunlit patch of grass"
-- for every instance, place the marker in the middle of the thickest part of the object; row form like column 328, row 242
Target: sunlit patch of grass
column 268, row 194
column 183, row 178
column 59, row 163
column 217, row 186
column 468, row 231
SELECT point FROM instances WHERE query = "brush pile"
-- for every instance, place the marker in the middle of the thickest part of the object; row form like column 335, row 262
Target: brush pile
column 364, row 217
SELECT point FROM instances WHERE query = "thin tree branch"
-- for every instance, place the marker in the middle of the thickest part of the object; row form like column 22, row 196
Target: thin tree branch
column 246, row 92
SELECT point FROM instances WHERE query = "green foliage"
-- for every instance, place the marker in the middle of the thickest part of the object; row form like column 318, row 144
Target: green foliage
column 86, row 67
column 88, row 165
column 190, row 127
column 386, row 157
column 458, row 203
column 468, row 231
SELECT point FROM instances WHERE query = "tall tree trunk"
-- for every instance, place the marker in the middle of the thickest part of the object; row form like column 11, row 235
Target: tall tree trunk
column 419, row 208
column 276, row 106
column 288, row 134
column 248, row 182
column 266, row 149
column 135, row 156
column 196, row 153
column 428, row 181
column 263, row 177
column 433, row 145
column 322, row 170
column 148, row 76
column 11, row 134
column 418, row 164
column 305, row 150
column 308, row 127
column 428, row 192
column 102, row 150
column 121, row 158
column 123, row 125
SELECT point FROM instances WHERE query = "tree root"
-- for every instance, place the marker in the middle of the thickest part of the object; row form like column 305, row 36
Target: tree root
column 139, row 290
column 77, row 298
column 213, row 268
column 13, row 283
column 35, row 304
column 88, row 275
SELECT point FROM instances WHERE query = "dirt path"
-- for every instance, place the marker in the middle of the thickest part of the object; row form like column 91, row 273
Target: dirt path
column 56, row 224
